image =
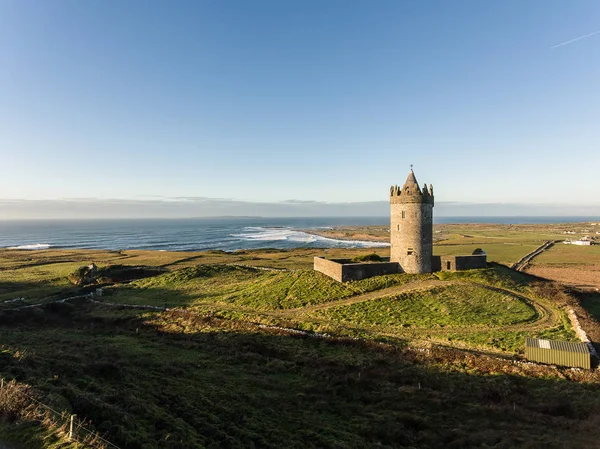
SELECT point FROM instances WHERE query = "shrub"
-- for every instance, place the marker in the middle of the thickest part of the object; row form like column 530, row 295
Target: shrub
column 367, row 258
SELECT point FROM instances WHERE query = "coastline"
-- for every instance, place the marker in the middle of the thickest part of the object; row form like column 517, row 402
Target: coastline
column 288, row 234
column 379, row 234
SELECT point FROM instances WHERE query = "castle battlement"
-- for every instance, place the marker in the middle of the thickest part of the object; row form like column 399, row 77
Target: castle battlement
column 410, row 192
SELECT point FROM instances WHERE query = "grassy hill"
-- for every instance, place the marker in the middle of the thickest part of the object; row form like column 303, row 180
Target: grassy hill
column 248, row 286
column 435, row 363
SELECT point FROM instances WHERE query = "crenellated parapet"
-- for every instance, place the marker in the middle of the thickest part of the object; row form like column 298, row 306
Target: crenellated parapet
column 410, row 192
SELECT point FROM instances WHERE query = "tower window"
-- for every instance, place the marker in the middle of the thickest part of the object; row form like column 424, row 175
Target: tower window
column 410, row 251
column 403, row 214
column 398, row 227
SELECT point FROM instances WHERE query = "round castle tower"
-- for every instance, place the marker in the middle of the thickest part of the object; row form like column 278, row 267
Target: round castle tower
column 411, row 226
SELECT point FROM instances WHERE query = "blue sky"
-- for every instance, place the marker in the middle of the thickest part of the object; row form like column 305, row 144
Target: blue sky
column 306, row 100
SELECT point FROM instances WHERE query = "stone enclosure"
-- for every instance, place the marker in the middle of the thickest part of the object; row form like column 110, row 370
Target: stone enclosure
column 411, row 241
column 457, row 263
column 343, row 270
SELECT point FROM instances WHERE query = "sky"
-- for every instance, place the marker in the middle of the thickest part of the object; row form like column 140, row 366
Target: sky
column 327, row 101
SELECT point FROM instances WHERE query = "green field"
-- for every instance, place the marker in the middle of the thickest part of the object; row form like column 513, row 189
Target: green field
column 145, row 385
column 220, row 368
column 247, row 287
column 561, row 254
column 456, row 305
column 504, row 253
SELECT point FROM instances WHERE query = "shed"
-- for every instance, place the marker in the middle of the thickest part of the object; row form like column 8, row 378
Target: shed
column 565, row 353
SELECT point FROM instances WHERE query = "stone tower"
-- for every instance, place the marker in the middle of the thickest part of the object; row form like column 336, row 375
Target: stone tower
column 411, row 226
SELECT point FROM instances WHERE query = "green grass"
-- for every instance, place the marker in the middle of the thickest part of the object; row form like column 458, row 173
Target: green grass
column 505, row 253
column 511, row 341
column 248, row 287
column 561, row 254
column 455, row 305
column 190, row 378
column 367, row 258
column 495, row 275
column 591, row 302
column 33, row 435
column 145, row 384
column 34, row 282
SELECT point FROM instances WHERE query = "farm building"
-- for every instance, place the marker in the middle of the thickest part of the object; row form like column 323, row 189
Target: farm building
column 564, row 353
column 578, row 242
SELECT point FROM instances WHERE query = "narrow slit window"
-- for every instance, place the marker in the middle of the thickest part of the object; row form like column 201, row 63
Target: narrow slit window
column 448, row 265
column 398, row 227
column 403, row 214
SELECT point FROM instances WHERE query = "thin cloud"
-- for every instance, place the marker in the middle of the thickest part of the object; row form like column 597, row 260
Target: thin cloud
column 575, row 40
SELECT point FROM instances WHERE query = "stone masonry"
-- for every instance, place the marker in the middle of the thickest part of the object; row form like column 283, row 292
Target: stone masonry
column 343, row 270
column 411, row 225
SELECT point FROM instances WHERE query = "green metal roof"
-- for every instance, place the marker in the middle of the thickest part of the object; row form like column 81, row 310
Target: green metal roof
column 567, row 346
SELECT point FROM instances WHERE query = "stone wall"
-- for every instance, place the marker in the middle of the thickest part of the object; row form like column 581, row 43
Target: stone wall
column 411, row 235
column 343, row 270
column 458, row 263
column 580, row 333
column 358, row 271
column 331, row 268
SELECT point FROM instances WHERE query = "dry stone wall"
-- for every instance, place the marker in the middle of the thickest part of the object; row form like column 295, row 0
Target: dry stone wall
column 343, row 270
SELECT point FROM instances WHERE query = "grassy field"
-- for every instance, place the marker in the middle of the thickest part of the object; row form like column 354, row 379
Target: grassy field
column 570, row 264
column 561, row 254
column 455, row 305
column 218, row 369
column 504, row 244
column 504, row 253
column 247, row 287
column 591, row 302
column 179, row 380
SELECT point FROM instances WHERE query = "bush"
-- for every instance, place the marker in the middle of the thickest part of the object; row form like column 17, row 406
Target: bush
column 367, row 258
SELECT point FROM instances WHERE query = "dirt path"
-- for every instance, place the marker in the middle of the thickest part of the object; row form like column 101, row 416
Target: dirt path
column 377, row 294
column 544, row 317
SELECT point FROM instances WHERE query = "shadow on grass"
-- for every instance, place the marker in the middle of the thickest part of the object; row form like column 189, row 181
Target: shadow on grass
column 590, row 301
column 180, row 380
column 31, row 292
column 150, row 296
column 14, row 287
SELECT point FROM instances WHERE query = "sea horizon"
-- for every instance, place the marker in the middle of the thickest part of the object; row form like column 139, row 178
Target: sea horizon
column 449, row 219
column 209, row 233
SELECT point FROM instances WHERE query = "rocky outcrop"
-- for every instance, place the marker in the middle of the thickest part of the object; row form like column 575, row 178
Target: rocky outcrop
column 84, row 275
column 90, row 274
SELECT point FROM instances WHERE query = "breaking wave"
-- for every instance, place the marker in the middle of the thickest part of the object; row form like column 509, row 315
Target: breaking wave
column 180, row 235
column 32, row 246
column 264, row 234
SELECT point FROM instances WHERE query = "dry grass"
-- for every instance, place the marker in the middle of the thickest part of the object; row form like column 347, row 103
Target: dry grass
column 26, row 420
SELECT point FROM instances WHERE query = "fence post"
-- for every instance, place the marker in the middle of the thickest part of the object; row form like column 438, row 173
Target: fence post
column 71, row 427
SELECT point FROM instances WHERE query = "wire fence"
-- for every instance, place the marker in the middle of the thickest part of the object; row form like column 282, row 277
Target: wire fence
column 17, row 403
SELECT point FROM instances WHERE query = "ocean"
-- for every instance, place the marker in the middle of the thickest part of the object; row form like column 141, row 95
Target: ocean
column 228, row 234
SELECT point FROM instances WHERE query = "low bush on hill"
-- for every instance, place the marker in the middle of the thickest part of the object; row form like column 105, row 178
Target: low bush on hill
column 368, row 258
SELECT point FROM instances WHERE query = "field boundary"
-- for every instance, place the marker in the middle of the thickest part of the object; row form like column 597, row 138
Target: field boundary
column 62, row 424
column 522, row 263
